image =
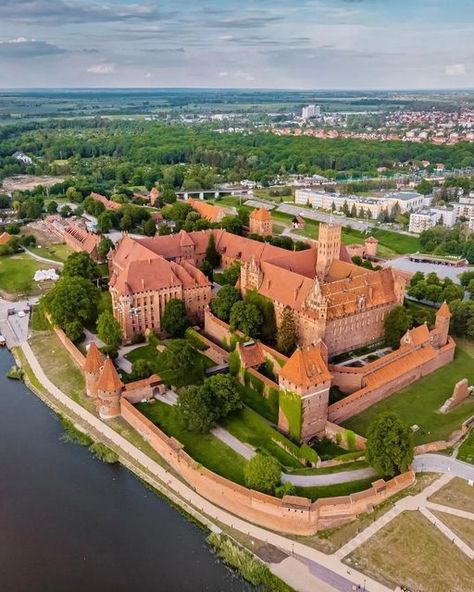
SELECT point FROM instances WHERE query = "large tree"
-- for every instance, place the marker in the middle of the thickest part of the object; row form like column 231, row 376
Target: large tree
column 396, row 324
column 109, row 330
column 104, row 247
column 174, row 320
column 223, row 301
column 262, row 473
column 247, row 318
column 389, row 446
column 72, row 302
column 180, row 364
column 105, row 222
column 287, row 333
column 81, row 265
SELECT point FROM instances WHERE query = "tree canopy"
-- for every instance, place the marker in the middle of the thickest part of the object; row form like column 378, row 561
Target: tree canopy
column 175, row 320
column 81, row 265
column 389, row 445
column 246, row 317
column 262, row 473
column 396, row 324
column 109, row 330
column 223, row 301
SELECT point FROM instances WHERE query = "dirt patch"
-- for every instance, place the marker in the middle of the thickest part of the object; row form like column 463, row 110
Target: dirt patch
column 28, row 182
column 463, row 528
column 456, row 494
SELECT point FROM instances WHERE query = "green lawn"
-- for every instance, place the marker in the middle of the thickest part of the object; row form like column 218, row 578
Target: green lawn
column 16, row 275
column 419, row 403
column 315, row 493
column 249, row 427
column 55, row 252
column 204, row 448
column 150, row 353
column 466, row 450
column 267, row 408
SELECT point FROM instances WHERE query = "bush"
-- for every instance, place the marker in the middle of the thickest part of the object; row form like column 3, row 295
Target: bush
column 234, row 363
column 104, row 453
column 285, row 489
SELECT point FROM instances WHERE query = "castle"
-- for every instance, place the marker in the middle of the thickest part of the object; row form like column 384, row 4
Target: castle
column 332, row 299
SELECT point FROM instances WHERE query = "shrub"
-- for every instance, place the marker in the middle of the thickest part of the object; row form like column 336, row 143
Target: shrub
column 104, row 453
column 234, row 363
column 262, row 473
column 285, row 489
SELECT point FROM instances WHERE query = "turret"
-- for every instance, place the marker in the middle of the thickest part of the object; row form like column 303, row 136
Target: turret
column 443, row 317
column 91, row 368
column 371, row 244
column 109, row 389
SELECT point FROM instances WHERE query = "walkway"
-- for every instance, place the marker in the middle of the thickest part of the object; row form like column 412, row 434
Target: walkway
column 289, row 573
column 438, row 463
column 441, row 526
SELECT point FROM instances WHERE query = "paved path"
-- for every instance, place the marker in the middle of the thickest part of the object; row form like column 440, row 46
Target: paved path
column 411, row 502
column 438, row 463
column 449, row 510
column 122, row 361
column 181, row 489
column 315, row 214
column 448, row 533
column 52, row 262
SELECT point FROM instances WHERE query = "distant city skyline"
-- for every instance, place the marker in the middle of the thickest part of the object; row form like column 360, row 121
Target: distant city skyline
column 304, row 44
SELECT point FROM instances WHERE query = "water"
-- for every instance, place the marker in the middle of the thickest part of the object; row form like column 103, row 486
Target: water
column 69, row 522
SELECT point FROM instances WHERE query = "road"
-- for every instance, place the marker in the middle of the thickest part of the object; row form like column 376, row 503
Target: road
column 438, row 463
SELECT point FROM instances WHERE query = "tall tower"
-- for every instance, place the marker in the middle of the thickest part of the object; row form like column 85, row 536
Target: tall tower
column 443, row 316
column 91, row 368
column 109, row 389
column 329, row 247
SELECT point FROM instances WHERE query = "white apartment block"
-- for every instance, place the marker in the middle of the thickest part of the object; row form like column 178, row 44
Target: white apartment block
column 409, row 201
column 465, row 207
column 423, row 220
column 311, row 111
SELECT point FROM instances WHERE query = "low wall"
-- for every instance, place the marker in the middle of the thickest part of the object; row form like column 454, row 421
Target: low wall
column 291, row 515
column 444, row 444
column 74, row 352
column 214, row 328
column 268, row 384
column 344, row 438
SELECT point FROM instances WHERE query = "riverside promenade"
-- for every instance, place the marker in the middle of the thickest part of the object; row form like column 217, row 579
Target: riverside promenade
column 305, row 569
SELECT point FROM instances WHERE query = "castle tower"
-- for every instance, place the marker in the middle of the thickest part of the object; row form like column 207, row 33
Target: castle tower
column 329, row 247
column 371, row 245
column 304, row 393
column 260, row 222
column 109, row 389
column 91, row 368
column 443, row 316
column 250, row 275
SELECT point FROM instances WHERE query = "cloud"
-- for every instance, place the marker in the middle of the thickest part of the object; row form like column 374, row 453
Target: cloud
column 223, row 74
column 101, row 69
column 21, row 47
column 455, row 70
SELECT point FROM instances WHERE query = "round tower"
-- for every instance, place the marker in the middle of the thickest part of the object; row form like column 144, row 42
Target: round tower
column 109, row 390
column 91, row 368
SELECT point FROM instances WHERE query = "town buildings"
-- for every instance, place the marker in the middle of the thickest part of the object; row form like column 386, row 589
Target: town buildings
column 310, row 111
column 260, row 222
column 332, row 299
column 429, row 217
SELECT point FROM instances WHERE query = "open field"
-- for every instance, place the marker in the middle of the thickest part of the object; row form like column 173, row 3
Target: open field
column 204, row 448
column 463, row 528
column 419, row 403
column 59, row 252
column 410, row 551
column 28, row 182
column 455, row 494
column 16, row 275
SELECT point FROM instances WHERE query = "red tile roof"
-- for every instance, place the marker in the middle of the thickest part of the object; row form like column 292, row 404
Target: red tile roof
column 109, row 380
column 261, row 214
column 306, row 368
column 251, row 354
column 94, row 359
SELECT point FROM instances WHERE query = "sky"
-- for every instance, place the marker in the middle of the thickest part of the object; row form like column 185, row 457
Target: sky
column 297, row 44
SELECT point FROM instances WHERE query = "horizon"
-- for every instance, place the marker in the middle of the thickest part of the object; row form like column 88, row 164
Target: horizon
column 309, row 45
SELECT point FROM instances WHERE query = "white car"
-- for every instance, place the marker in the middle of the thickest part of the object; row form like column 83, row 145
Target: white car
column 21, row 314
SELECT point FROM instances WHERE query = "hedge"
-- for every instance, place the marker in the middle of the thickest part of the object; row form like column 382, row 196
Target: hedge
column 290, row 405
column 234, row 363
column 194, row 339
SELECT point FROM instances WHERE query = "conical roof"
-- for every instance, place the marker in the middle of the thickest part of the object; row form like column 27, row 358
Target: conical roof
column 93, row 360
column 109, row 380
column 443, row 311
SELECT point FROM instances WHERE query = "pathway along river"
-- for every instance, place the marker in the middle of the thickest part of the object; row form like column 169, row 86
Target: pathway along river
column 69, row 522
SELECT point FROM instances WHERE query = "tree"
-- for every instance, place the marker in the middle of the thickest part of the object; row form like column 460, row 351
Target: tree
column 105, row 245
column 52, row 207
column 72, row 300
column 231, row 274
column 126, row 222
column 262, row 473
column 13, row 228
column 104, row 223
column 224, row 394
column 212, row 254
column 418, row 276
column 223, row 301
column 396, row 324
column 195, row 410
column 247, row 318
column 287, row 333
column 181, row 364
column 149, row 228
column 109, row 330
column 207, row 269
column 389, row 445
column 175, row 320
column 168, row 196
column 81, row 265
column 424, row 187
column 142, row 369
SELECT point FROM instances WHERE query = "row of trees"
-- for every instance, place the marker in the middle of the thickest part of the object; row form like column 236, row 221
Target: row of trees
column 441, row 240
column 433, row 289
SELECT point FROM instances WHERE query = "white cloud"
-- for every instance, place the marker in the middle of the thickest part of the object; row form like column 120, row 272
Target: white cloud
column 17, row 40
column 148, row 75
column 455, row 70
column 223, row 74
column 101, row 69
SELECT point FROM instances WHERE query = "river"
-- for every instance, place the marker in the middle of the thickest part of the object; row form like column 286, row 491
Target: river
column 69, row 522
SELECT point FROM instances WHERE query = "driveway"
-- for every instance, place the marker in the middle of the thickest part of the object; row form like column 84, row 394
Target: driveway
column 438, row 463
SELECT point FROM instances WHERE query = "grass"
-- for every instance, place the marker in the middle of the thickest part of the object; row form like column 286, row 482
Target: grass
column 58, row 365
column 412, row 552
column 16, row 275
column 466, row 450
column 455, row 494
column 38, row 320
column 419, row 403
column 249, row 427
column 336, row 490
column 463, row 528
column 152, row 355
column 350, row 466
column 266, row 407
column 55, row 252
column 206, row 449
column 327, row 449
